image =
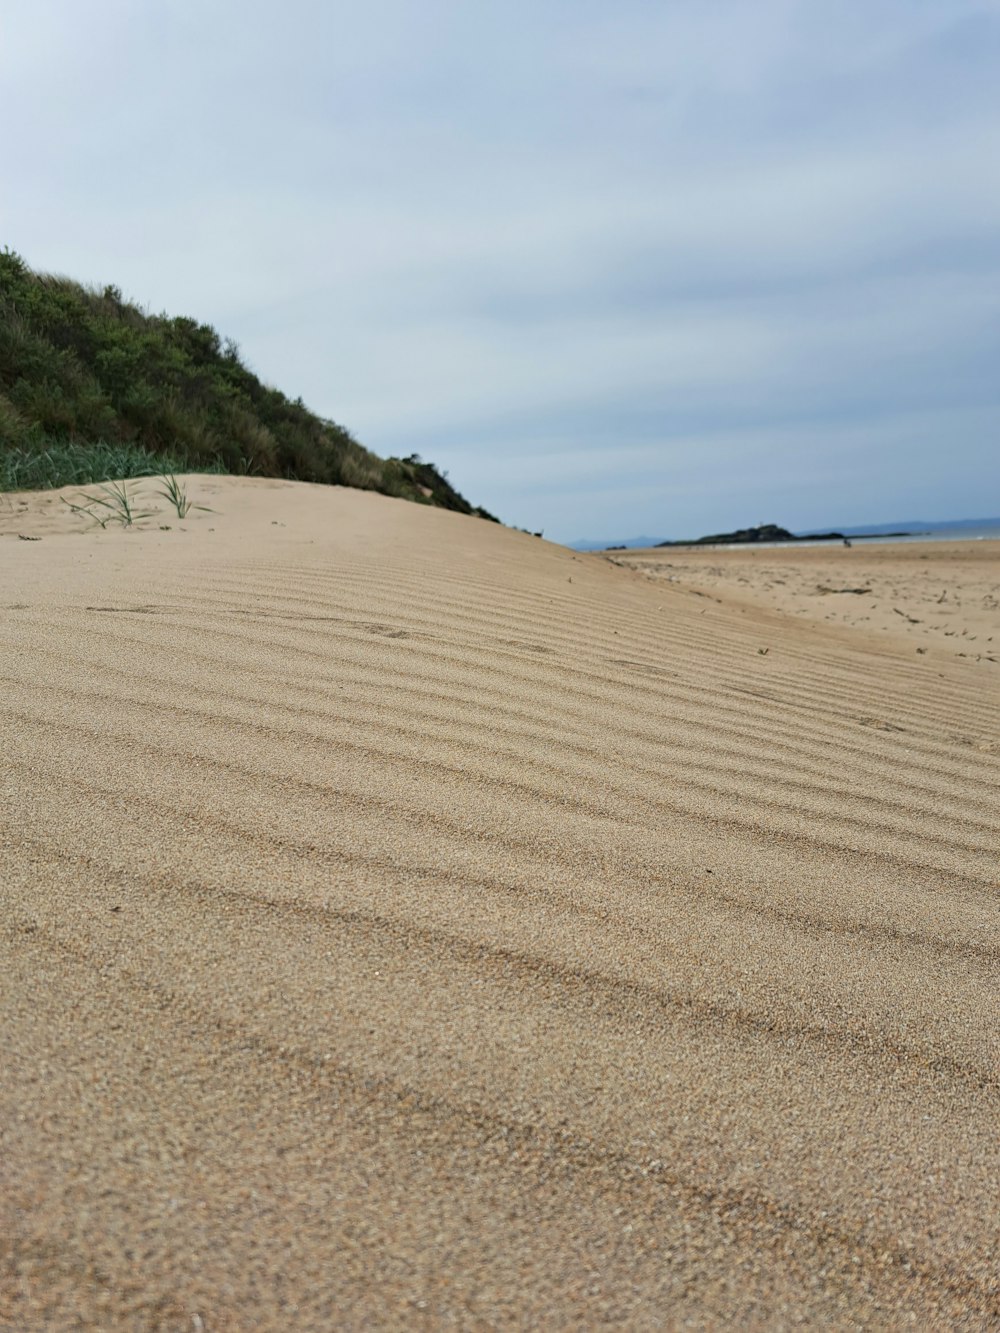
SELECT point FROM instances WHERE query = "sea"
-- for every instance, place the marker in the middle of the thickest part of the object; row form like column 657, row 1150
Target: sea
column 966, row 530
column 916, row 530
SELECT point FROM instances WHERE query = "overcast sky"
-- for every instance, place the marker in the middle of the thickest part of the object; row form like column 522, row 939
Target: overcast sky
column 651, row 266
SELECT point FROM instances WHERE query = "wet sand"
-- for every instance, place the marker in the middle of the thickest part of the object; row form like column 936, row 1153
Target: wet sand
column 408, row 921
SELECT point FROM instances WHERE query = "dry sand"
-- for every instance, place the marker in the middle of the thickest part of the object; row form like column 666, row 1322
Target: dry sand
column 932, row 595
column 407, row 921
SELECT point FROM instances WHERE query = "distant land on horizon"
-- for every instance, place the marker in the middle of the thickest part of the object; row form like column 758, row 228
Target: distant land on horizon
column 909, row 525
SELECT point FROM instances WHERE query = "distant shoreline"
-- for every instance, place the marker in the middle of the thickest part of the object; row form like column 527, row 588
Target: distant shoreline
column 887, row 538
column 771, row 534
column 791, row 539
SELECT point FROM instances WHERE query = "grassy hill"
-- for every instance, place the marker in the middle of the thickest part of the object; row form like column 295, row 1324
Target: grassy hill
column 93, row 388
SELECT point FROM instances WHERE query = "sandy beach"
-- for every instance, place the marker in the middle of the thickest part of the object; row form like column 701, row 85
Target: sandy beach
column 940, row 596
column 407, row 921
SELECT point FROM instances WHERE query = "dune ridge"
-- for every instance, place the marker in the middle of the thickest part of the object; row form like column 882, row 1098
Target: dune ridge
column 406, row 920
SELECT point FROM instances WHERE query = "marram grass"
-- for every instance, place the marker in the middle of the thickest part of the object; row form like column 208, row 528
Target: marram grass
column 60, row 463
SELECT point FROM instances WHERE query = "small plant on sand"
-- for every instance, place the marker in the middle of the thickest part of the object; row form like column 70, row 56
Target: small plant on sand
column 85, row 511
column 114, row 505
column 116, row 499
column 173, row 491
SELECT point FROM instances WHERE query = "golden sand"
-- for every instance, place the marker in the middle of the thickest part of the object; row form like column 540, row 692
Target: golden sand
column 932, row 596
column 406, row 921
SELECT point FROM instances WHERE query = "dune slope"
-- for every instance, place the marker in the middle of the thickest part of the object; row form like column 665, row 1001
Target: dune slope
column 407, row 921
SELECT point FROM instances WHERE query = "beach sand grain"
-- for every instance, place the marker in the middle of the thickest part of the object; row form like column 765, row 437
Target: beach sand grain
column 407, row 921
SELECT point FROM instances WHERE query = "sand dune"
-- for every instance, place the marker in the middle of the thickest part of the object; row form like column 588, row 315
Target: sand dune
column 408, row 921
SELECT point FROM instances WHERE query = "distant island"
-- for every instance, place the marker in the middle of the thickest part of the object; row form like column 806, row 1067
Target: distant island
column 771, row 532
column 958, row 529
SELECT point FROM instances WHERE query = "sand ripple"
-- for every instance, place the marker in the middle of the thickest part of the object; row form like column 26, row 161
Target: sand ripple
column 407, row 921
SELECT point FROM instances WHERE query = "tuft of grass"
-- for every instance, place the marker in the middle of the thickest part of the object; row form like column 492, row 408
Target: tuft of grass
column 86, row 511
column 113, row 505
column 173, row 491
column 119, row 503
column 61, row 463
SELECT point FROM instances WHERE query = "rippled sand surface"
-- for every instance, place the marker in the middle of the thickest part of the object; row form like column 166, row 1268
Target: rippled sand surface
column 937, row 597
column 406, row 921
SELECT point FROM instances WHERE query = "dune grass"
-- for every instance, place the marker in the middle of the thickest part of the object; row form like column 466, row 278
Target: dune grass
column 113, row 504
column 63, row 463
column 172, row 490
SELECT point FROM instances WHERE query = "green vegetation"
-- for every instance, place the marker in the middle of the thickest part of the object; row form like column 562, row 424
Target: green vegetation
column 173, row 491
column 92, row 388
column 68, row 463
column 112, row 505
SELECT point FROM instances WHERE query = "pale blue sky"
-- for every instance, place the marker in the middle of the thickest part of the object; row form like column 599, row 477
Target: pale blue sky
column 645, row 267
